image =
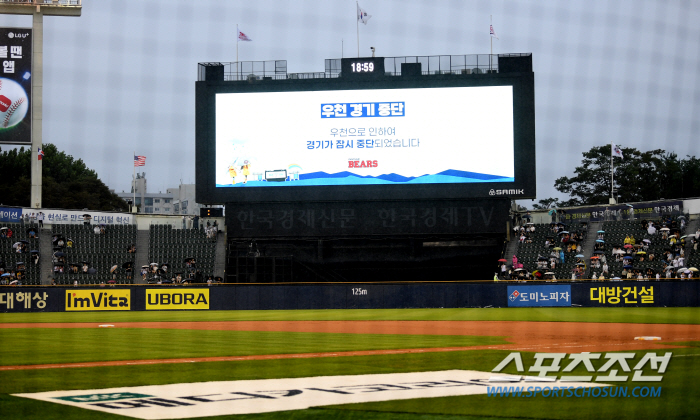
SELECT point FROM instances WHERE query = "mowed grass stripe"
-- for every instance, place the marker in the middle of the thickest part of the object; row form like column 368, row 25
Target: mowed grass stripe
column 680, row 388
column 624, row 315
column 70, row 345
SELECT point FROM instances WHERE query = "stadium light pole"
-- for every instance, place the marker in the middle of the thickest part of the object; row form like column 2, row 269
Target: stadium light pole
column 39, row 9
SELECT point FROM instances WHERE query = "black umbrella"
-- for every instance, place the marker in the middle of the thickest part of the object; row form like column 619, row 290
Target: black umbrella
column 91, row 271
column 59, row 254
column 127, row 264
column 599, row 252
column 34, row 251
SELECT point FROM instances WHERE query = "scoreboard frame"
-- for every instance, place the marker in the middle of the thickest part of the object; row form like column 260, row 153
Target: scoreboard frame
column 523, row 186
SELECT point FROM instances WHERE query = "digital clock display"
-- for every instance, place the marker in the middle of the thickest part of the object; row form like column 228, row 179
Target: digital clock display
column 366, row 67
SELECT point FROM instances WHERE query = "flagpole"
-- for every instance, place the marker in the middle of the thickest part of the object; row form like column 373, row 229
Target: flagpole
column 237, row 38
column 612, row 174
column 357, row 26
column 133, row 185
column 491, row 38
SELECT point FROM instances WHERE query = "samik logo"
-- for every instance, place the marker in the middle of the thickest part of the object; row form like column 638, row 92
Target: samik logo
column 177, row 299
column 98, row 300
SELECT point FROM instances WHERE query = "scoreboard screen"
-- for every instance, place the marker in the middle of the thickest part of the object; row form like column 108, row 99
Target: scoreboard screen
column 364, row 137
column 376, row 138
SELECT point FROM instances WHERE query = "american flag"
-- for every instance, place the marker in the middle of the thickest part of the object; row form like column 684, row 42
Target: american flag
column 40, row 154
column 139, row 160
column 243, row 37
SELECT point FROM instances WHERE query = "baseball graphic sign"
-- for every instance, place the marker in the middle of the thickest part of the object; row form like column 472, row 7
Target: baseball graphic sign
column 13, row 103
column 15, row 85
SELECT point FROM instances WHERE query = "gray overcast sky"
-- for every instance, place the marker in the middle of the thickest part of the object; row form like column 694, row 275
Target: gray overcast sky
column 120, row 78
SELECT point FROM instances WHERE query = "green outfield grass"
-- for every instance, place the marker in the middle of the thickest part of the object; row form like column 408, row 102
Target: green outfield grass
column 634, row 315
column 22, row 346
column 680, row 386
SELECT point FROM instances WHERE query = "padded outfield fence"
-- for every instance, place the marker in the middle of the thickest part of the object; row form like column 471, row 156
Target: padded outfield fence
column 350, row 296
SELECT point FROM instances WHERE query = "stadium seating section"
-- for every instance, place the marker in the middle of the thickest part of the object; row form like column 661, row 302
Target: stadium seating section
column 615, row 233
column 9, row 257
column 173, row 246
column 101, row 252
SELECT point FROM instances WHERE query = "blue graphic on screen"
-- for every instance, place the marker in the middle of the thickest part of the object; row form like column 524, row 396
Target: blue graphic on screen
column 365, row 137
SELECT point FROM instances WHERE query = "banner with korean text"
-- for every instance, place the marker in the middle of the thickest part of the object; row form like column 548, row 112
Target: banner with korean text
column 81, row 216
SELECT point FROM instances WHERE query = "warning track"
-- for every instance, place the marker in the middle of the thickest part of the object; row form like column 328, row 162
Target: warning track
column 565, row 337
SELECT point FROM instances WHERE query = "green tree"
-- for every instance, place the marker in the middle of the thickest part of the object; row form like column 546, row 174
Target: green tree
column 66, row 183
column 639, row 176
column 547, row 203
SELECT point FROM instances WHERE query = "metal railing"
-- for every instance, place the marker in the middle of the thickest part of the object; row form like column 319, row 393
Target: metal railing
column 430, row 65
column 69, row 3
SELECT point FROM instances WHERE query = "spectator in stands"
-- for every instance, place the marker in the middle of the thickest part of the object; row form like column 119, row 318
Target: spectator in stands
column 40, row 219
column 651, row 230
column 96, row 230
column 9, row 232
column 561, row 256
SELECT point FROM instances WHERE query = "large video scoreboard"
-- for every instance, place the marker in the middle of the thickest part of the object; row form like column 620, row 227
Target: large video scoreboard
column 366, row 135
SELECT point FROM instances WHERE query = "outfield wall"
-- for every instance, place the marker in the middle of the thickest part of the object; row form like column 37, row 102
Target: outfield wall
column 349, row 296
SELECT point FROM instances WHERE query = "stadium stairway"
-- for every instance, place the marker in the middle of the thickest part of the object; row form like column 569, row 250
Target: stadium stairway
column 589, row 243
column 692, row 226
column 142, row 245
column 511, row 248
column 45, row 255
column 220, row 256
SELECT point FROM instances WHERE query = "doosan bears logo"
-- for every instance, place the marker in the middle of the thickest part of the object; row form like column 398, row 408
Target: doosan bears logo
column 357, row 163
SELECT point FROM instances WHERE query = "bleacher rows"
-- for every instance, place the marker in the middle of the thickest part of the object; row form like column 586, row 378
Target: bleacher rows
column 9, row 257
column 528, row 253
column 100, row 251
column 173, row 246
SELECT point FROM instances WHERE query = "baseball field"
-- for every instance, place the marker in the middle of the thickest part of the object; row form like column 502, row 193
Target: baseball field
column 375, row 364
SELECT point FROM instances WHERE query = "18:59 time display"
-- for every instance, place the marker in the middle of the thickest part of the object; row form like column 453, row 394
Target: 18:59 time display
column 366, row 67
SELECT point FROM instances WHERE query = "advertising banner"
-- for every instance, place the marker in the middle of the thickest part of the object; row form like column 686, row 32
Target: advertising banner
column 10, row 214
column 79, row 216
column 530, row 296
column 15, row 85
column 98, row 300
column 446, row 135
column 648, row 210
column 367, row 218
